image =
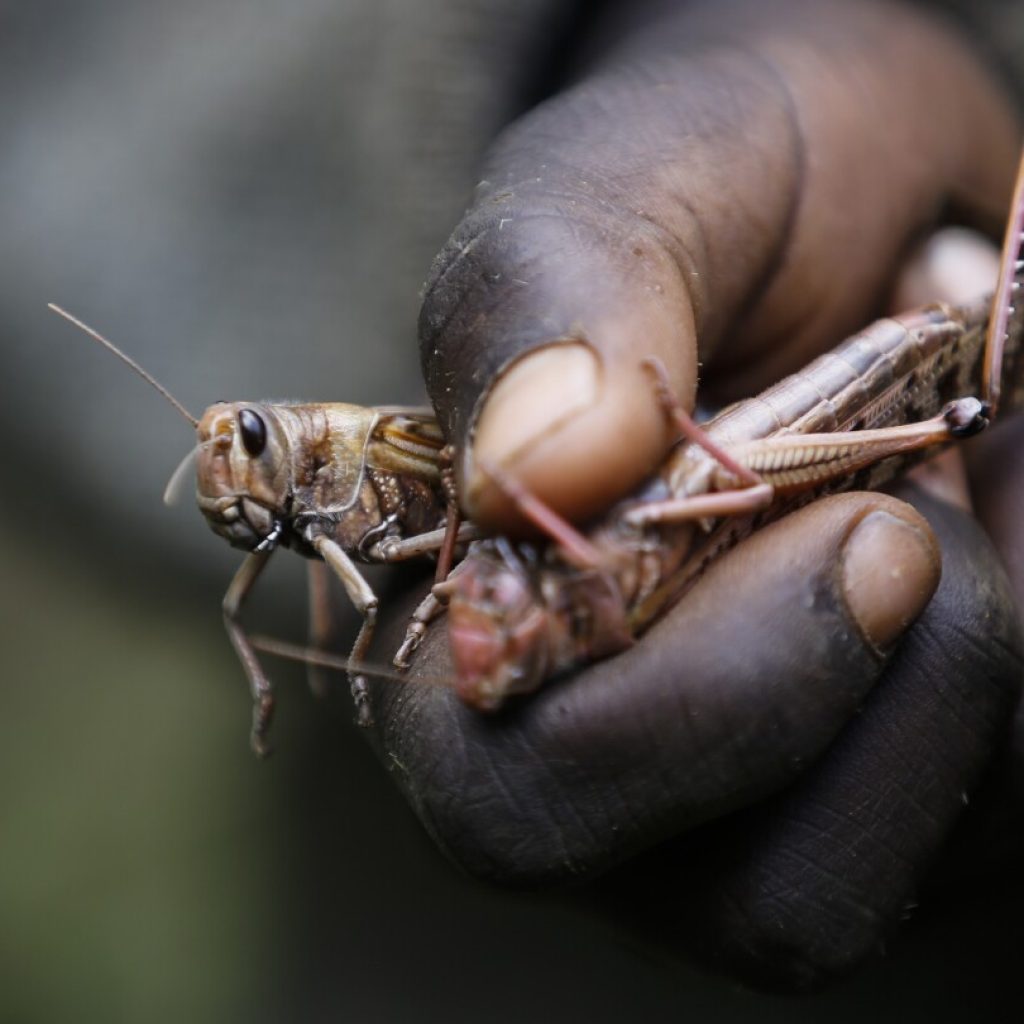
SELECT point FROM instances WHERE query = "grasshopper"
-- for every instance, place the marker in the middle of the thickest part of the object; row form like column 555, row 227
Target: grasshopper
column 337, row 483
column 520, row 613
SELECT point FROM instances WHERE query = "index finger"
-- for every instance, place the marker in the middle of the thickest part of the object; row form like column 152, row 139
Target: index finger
column 738, row 181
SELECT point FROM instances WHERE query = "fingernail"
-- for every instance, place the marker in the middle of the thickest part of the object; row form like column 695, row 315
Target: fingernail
column 538, row 392
column 890, row 571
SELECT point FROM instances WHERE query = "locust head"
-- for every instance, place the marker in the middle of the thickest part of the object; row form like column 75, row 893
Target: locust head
column 243, row 485
column 498, row 628
column 242, row 473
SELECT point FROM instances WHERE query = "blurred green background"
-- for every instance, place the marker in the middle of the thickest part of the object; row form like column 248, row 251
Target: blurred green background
column 245, row 194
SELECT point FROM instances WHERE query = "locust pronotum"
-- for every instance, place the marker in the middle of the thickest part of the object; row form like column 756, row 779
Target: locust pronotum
column 338, row 483
column 520, row 613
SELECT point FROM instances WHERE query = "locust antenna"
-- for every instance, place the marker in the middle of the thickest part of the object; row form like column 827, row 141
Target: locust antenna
column 173, row 489
column 324, row 659
column 96, row 336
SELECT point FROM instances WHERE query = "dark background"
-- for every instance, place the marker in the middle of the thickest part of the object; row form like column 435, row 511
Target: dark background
column 245, row 194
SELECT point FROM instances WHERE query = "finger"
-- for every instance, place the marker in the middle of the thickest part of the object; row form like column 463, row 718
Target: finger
column 944, row 477
column 746, row 174
column 989, row 841
column 996, row 474
column 954, row 265
column 992, row 836
column 741, row 686
column 801, row 889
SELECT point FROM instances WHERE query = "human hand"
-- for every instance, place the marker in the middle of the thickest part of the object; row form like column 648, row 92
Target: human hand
column 737, row 182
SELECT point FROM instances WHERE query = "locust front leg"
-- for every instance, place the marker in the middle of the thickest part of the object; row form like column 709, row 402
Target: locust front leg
column 433, row 605
column 324, row 632
column 400, row 549
column 259, row 685
column 365, row 600
column 425, row 612
column 444, row 541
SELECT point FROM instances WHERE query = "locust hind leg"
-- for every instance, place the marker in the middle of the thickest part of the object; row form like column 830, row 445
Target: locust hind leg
column 576, row 549
column 606, row 599
column 259, row 684
column 751, row 493
column 365, row 600
column 802, row 462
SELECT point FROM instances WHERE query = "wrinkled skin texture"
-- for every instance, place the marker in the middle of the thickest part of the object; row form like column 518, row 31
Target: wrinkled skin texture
column 756, row 780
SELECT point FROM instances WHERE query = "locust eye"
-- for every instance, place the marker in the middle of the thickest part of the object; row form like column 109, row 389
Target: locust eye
column 253, row 430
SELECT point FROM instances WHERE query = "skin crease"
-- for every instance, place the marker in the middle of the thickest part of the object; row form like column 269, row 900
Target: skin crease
column 759, row 709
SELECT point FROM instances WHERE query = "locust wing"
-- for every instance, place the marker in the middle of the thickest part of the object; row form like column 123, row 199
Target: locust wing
column 406, row 440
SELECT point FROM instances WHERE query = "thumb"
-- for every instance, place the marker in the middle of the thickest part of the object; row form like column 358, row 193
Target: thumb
column 709, row 181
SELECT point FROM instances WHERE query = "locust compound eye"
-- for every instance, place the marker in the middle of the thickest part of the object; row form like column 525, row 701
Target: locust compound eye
column 253, row 430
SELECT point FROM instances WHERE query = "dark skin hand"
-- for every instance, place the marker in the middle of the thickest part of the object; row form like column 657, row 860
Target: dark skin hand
column 768, row 776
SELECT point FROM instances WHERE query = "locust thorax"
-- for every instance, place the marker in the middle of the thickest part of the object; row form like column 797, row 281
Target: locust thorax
column 243, row 478
column 499, row 632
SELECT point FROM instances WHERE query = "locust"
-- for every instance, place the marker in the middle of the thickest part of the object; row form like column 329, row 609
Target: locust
column 521, row 613
column 344, row 484
column 340, row 484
